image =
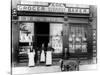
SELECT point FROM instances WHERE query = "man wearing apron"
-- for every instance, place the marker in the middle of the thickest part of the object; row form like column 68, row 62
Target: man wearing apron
column 31, row 55
column 42, row 57
column 49, row 55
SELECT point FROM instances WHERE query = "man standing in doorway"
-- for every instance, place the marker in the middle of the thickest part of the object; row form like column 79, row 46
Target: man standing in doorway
column 49, row 55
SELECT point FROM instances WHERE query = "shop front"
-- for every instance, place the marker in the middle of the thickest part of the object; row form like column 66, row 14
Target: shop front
column 64, row 26
column 36, row 31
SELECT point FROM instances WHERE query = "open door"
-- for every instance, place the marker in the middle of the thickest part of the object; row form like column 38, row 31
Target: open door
column 41, row 33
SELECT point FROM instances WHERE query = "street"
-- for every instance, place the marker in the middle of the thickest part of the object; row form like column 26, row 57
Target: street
column 47, row 69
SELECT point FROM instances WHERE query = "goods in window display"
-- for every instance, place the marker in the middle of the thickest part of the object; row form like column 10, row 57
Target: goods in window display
column 94, row 37
column 78, row 39
column 70, row 39
column 21, row 51
column 73, row 35
column 94, row 34
column 80, row 35
column 77, row 36
column 26, row 32
column 84, row 47
column 71, row 50
column 94, row 42
column 78, row 46
column 25, row 38
column 70, row 45
column 57, row 44
column 22, row 37
column 84, row 39
column 74, row 46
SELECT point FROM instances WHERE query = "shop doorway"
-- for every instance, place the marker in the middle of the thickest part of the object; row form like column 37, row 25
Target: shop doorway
column 42, row 33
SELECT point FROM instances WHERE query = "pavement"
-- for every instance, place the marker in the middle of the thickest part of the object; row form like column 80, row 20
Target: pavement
column 32, row 70
column 47, row 69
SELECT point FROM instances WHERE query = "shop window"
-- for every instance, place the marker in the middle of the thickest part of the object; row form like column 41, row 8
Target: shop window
column 26, row 34
column 77, row 39
column 56, row 37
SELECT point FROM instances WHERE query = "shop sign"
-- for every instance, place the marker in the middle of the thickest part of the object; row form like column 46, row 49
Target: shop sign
column 41, row 19
column 39, row 8
column 52, row 9
column 78, row 10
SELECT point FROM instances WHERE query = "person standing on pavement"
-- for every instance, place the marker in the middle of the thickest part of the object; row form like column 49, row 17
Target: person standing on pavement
column 31, row 55
column 49, row 55
column 42, row 57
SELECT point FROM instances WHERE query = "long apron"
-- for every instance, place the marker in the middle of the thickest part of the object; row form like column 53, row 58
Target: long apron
column 31, row 56
column 42, row 59
column 49, row 58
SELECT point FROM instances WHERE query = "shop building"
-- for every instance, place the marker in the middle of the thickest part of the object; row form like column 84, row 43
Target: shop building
column 63, row 25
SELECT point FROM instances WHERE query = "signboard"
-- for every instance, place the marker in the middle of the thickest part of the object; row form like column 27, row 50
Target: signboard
column 52, row 8
column 41, row 19
column 78, row 10
column 39, row 8
column 59, row 5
